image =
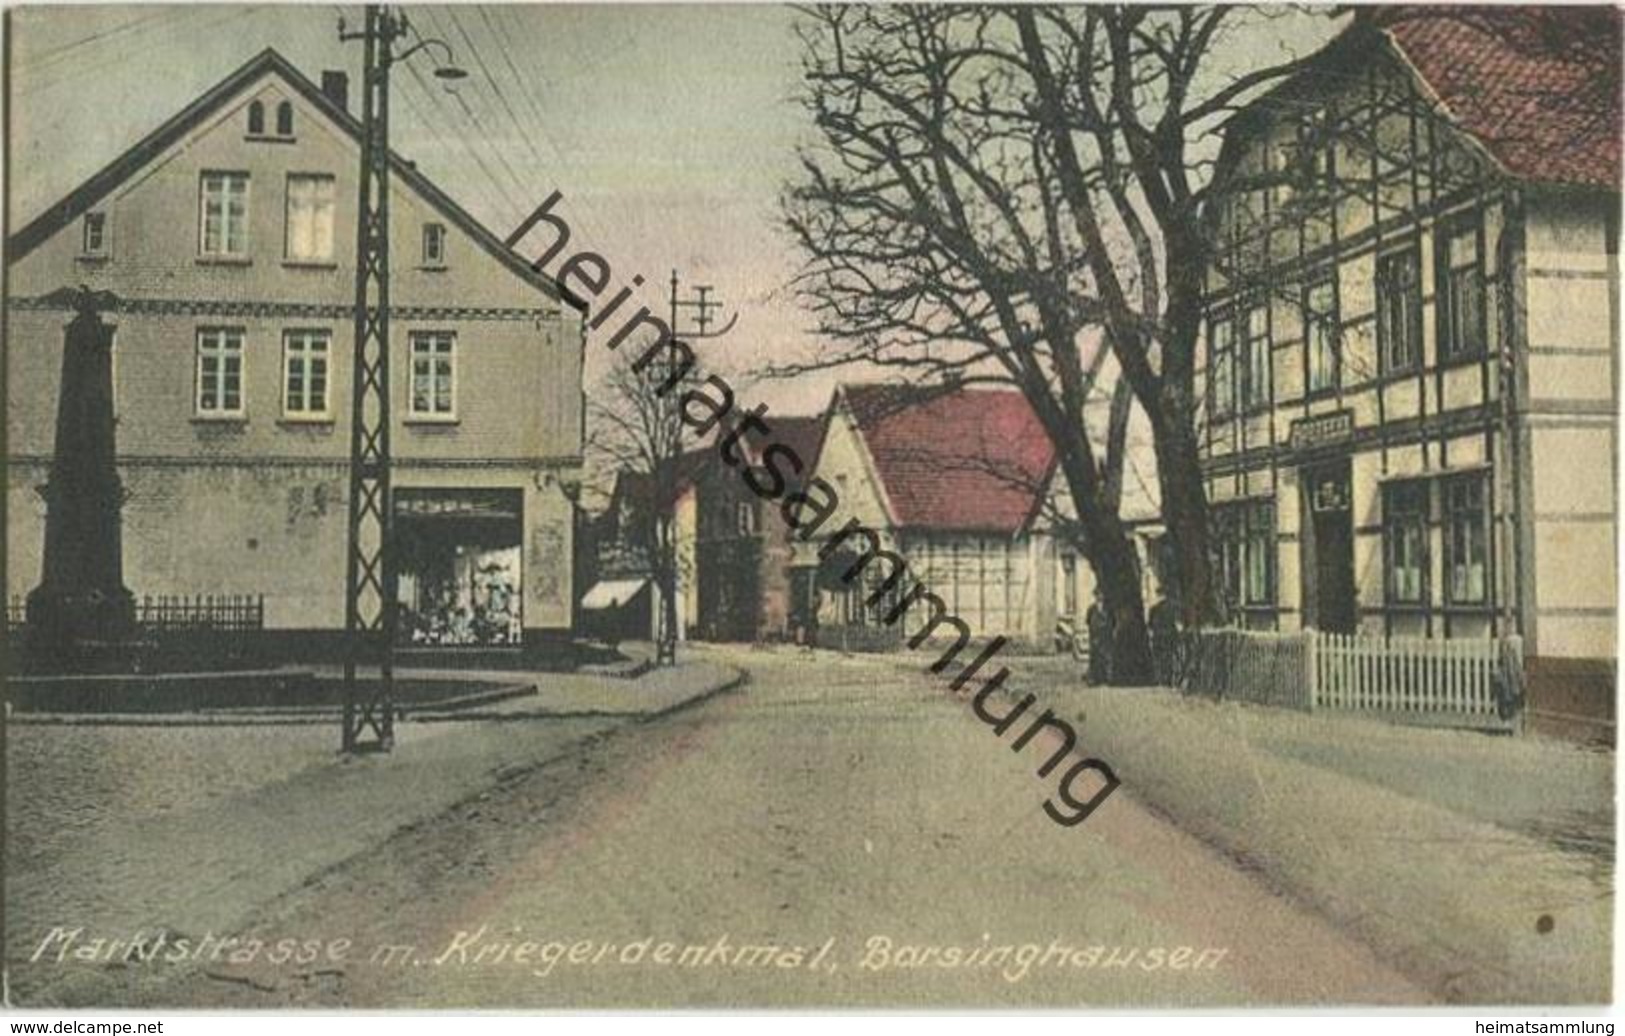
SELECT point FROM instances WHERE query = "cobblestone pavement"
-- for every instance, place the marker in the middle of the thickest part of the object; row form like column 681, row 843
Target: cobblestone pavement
column 839, row 833
column 118, row 828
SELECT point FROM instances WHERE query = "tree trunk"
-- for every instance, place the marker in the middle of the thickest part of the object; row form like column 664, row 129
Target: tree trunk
column 1173, row 424
column 1115, row 563
column 1185, row 514
column 1117, row 572
column 666, row 578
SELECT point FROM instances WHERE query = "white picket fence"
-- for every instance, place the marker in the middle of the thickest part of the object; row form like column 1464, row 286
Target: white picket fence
column 1463, row 680
column 1412, row 674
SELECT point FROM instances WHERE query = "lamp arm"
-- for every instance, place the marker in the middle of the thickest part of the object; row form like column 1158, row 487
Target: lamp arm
column 421, row 44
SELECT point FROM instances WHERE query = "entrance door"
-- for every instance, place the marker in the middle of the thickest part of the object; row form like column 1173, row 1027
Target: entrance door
column 1332, row 540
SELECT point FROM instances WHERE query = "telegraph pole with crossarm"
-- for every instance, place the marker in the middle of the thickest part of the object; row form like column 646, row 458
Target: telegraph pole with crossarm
column 370, row 605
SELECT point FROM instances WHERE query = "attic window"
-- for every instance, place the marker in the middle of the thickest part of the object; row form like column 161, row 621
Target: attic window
column 95, row 235
column 434, row 245
column 256, row 119
column 284, row 119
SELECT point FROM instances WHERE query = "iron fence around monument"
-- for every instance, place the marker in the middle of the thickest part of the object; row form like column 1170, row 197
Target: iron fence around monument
column 172, row 613
column 182, row 631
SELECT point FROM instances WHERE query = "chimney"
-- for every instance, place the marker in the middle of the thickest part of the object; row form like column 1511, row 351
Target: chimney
column 336, row 85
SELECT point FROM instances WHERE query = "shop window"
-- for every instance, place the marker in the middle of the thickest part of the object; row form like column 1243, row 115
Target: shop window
column 459, row 566
column 1405, row 541
column 1466, row 525
column 1399, row 311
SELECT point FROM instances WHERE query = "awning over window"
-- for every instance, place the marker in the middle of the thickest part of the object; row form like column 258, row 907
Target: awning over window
column 612, row 593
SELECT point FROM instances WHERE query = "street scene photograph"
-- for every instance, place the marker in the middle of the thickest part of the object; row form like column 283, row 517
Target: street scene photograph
column 587, row 506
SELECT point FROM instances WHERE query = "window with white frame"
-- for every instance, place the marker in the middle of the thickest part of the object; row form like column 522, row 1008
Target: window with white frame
column 1405, row 540
column 223, row 222
column 95, row 234
column 304, row 373
column 310, row 218
column 433, row 374
column 220, row 371
column 1466, row 544
column 745, row 518
column 434, row 244
column 1243, row 545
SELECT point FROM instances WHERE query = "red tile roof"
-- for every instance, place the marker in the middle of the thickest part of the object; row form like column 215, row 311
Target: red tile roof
column 1538, row 86
column 956, row 459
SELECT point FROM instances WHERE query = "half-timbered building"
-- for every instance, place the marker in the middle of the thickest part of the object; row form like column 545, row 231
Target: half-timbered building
column 1411, row 361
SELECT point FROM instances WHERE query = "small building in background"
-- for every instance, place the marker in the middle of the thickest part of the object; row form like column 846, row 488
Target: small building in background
column 744, row 549
column 621, row 599
column 955, row 480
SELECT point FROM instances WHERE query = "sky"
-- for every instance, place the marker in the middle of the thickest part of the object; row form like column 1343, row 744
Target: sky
column 669, row 129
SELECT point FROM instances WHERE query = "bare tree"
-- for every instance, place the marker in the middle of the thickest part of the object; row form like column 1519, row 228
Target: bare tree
column 635, row 428
column 1000, row 192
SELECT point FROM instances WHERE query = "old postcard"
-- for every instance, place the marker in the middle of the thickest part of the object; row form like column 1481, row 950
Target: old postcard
column 740, row 506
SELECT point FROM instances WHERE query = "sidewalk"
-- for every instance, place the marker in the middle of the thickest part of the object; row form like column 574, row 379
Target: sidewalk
column 117, row 829
column 1481, row 865
column 587, row 694
column 1482, row 912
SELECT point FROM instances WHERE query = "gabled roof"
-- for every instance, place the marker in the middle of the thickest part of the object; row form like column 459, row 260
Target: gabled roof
column 956, row 459
column 639, row 489
column 1535, row 89
column 804, row 435
column 154, row 144
column 1538, row 87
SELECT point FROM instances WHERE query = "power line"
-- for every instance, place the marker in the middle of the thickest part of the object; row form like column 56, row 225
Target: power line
column 55, row 55
column 479, row 127
column 493, row 199
column 34, row 77
column 542, row 123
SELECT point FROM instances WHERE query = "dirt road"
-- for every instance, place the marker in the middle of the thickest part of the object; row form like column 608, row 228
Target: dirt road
column 829, row 835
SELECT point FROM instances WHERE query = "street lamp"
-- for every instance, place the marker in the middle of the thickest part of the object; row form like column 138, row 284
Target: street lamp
column 371, row 584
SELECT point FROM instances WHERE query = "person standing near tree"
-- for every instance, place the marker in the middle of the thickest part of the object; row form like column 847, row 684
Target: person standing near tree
column 1099, row 622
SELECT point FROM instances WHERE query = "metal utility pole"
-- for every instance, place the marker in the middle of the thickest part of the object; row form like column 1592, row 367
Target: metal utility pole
column 370, row 606
column 666, row 479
